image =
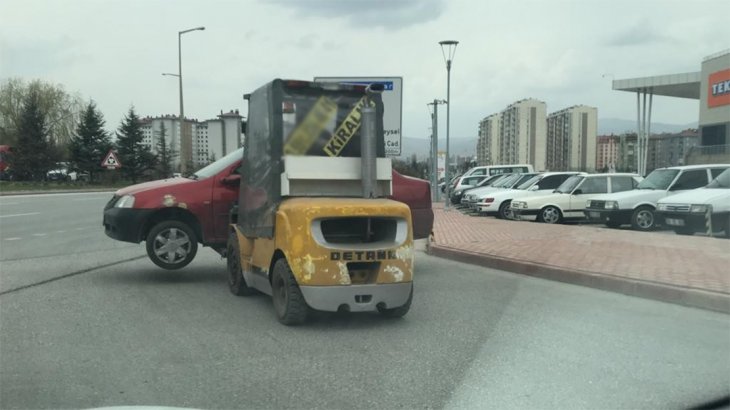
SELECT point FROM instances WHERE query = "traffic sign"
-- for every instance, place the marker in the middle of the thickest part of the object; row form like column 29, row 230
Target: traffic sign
column 111, row 161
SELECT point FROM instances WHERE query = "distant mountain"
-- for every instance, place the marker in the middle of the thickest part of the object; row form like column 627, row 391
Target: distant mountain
column 620, row 126
column 422, row 148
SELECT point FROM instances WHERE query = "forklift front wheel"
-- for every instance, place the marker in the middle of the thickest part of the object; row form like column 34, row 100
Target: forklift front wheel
column 236, row 282
column 289, row 304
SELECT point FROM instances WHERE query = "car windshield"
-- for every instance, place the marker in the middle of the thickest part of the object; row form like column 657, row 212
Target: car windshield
column 529, row 182
column 722, row 181
column 491, row 181
column 218, row 166
column 569, row 185
column 658, row 179
column 507, row 181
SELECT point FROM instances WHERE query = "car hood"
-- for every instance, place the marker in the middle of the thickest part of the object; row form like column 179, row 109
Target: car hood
column 484, row 190
column 510, row 194
column 698, row 196
column 154, row 185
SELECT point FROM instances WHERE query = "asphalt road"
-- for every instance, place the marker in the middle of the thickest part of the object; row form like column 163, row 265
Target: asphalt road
column 89, row 322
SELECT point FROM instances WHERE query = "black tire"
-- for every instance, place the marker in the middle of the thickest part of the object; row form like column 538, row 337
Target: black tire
column 168, row 255
column 643, row 219
column 400, row 311
column 236, row 282
column 550, row 215
column 289, row 304
column 613, row 225
column 504, row 210
column 683, row 230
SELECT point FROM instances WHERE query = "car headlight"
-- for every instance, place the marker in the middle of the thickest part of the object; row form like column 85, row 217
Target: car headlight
column 127, row 201
column 519, row 205
column 611, row 205
column 486, row 200
column 662, row 207
column 588, row 203
column 698, row 209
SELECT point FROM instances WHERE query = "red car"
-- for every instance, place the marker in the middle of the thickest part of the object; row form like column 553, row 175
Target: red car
column 173, row 215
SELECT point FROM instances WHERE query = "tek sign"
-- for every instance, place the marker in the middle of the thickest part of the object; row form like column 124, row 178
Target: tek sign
column 719, row 89
column 392, row 106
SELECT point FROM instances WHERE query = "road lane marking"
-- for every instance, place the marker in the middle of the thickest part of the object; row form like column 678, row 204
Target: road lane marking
column 14, row 215
column 40, row 234
column 12, row 239
column 60, row 231
column 10, row 203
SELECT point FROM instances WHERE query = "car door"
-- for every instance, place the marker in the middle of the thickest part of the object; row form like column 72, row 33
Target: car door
column 588, row 188
column 225, row 193
column 550, row 183
column 621, row 183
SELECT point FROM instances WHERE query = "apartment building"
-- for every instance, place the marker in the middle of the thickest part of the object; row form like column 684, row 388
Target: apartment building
column 522, row 134
column 488, row 140
column 571, row 139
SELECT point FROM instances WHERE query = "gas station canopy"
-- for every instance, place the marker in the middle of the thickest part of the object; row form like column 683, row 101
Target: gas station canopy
column 684, row 85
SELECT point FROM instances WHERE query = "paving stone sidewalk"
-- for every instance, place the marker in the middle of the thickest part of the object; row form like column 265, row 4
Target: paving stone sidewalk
column 689, row 270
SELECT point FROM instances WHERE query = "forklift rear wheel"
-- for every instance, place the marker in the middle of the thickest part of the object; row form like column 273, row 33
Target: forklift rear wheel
column 236, row 282
column 399, row 311
column 289, row 304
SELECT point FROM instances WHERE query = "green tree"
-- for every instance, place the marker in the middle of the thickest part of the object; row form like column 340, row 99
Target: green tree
column 90, row 143
column 135, row 157
column 166, row 154
column 34, row 154
column 60, row 109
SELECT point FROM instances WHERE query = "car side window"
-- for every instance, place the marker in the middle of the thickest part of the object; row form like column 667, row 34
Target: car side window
column 620, row 184
column 691, row 179
column 552, row 181
column 716, row 171
column 597, row 185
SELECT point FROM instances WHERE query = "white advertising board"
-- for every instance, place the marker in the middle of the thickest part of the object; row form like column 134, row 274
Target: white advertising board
column 392, row 106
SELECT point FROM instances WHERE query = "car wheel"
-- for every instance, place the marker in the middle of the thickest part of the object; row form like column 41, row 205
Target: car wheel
column 684, row 231
column 289, row 304
column 504, row 210
column 399, row 311
column 550, row 215
column 727, row 227
column 171, row 244
column 643, row 218
column 236, row 282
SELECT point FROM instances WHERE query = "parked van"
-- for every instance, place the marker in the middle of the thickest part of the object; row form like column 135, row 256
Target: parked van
column 500, row 169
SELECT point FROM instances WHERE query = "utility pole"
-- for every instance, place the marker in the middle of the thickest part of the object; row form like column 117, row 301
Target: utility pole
column 435, row 148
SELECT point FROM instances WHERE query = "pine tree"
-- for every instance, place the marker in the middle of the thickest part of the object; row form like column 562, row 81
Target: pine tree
column 135, row 157
column 166, row 154
column 91, row 142
column 34, row 154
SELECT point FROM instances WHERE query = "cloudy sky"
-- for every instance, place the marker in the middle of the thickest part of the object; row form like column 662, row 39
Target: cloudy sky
column 556, row 51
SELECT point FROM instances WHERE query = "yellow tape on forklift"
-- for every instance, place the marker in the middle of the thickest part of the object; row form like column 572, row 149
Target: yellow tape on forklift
column 306, row 133
column 345, row 131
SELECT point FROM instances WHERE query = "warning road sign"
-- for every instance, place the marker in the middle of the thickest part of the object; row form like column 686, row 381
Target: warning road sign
column 111, row 161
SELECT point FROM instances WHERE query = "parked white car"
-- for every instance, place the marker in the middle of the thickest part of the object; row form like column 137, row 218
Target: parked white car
column 500, row 169
column 637, row 207
column 513, row 181
column 569, row 200
column 498, row 203
column 699, row 209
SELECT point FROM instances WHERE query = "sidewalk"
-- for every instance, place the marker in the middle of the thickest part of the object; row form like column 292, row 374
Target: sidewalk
column 688, row 270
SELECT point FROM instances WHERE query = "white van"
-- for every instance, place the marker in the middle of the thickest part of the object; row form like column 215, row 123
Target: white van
column 489, row 170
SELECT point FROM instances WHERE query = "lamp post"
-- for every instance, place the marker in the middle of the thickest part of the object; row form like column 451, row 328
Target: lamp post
column 448, row 49
column 185, row 140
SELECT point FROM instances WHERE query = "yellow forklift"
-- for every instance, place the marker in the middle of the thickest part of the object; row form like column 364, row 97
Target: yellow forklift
column 313, row 227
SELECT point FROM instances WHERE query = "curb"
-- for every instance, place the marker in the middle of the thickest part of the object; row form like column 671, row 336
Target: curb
column 56, row 191
column 690, row 297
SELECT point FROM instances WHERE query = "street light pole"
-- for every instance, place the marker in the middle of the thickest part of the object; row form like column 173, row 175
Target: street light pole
column 448, row 49
column 186, row 144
